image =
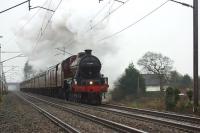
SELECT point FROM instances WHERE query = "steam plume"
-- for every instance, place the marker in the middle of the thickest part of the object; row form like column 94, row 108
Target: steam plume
column 69, row 27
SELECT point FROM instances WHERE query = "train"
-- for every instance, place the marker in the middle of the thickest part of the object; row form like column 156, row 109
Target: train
column 77, row 78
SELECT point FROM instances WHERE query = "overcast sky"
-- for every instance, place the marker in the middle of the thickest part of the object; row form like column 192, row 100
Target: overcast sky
column 167, row 31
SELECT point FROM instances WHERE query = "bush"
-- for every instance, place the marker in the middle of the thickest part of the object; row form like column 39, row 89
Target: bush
column 189, row 95
column 117, row 95
column 126, row 86
column 171, row 98
column 176, row 95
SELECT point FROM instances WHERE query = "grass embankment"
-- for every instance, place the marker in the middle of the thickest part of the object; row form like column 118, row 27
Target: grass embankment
column 0, row 98
column 149, row 100
column 156, row 101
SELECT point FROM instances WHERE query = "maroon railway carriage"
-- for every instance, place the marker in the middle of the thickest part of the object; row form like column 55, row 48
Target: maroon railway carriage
column 77, row 78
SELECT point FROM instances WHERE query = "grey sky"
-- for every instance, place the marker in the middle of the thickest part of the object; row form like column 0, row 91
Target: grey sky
column 167, row 31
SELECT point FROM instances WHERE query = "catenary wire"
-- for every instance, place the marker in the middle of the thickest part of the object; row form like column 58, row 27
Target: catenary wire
column 71, row 41
column 134, row 23
column 14, row 6
column 40, row 31
column 100, row 10
column 46, row 27
column 22, row 27
column 32, row 16
column 114, row 10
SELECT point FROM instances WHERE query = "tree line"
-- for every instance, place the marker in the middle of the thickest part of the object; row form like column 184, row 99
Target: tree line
column 131, row 82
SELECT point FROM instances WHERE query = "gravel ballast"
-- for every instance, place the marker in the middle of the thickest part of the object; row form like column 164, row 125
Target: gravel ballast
column 82, row 124
column 17, row 116
column 135, row 123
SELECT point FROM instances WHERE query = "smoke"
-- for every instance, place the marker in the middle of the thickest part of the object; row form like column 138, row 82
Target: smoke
column 40, row 37
column 27, row 70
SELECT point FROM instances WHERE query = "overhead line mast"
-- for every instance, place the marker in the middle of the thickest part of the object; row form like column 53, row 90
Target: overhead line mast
column 195, row 51
column 195, row 54
column 29, row 7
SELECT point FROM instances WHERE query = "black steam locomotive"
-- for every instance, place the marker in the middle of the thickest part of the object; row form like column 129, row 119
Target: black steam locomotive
column 77, row 78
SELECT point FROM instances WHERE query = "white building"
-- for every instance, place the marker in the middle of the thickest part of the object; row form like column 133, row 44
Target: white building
column 152, row 82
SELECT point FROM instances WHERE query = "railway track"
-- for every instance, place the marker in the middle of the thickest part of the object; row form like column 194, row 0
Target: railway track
column 180, row 122
column 54, row 119
column 110, row 124
column 171, row 115
column 188, row 127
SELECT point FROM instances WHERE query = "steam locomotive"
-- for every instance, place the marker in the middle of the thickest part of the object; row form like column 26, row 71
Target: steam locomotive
column 77, row 78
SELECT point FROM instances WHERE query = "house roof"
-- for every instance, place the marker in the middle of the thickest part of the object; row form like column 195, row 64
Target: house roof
column 151, row 79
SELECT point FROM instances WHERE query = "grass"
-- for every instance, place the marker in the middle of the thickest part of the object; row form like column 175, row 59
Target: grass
column 149, row 103
column 143, row 102
column 0, row 98
column 158, row 103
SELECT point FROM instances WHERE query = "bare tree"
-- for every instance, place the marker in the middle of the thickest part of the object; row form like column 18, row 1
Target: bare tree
column 156, row 63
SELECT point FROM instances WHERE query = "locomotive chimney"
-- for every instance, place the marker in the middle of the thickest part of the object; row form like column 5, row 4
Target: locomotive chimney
column 88, row 51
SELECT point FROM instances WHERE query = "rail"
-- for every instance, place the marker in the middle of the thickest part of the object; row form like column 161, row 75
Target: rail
column 113, row 125
column 156, row 113
column 129, row 113
column 54, row 119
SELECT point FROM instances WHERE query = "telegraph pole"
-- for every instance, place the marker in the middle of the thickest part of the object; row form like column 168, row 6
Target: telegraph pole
column 195, row 51
column 1, row 78
column 195, row 54
column 1, row 91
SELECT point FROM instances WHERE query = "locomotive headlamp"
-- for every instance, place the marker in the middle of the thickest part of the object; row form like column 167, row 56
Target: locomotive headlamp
column 75, row 82
column 91, row 82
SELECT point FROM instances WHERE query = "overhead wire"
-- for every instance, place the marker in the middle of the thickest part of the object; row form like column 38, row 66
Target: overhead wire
column 33, row 16
column 40, row 31
column 100, row 10
column 46, row 15
column 22, row 27
column 134, row 23
column 13, row 6
column 71, row 41
column 64, row 51
column 39, row 38
column 110, row 13
column 19, row 55
column 52, row 15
